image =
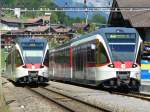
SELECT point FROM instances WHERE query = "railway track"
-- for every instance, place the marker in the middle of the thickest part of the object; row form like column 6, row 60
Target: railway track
column 69, row 103
column 142, row 96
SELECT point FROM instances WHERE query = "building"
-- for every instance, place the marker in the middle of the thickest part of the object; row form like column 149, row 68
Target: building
column 15, row 24
column 81, row 26
column 137, row 19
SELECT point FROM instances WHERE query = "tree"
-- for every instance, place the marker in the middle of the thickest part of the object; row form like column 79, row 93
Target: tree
column 92, row 27
column 98, row 19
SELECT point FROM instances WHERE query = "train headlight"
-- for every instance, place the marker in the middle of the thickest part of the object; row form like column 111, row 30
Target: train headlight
column 111, row 65
column 41, row 66
column 24, row 66
column 134, row 65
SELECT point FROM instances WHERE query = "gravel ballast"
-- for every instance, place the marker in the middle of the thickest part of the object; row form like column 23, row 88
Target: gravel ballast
column 116, row 103
column 19, row 99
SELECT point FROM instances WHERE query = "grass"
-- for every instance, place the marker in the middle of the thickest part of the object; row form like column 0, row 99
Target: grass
column 3, row 57
column 3, row 106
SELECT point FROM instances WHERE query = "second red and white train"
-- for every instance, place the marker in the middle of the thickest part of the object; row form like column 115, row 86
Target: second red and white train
column 109, row 57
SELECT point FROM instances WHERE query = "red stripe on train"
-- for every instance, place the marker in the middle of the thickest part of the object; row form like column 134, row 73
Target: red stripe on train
column 125, row 64
column 33, row 66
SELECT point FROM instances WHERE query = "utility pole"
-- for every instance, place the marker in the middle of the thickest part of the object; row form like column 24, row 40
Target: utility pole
column 49, row 14
column 49, row 24
column 86, row 12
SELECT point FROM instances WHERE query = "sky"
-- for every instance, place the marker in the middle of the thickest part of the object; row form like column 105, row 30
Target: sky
column 73, row 3
column 80, row 3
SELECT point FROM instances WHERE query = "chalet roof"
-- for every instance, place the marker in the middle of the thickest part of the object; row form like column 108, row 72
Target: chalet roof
column 19, row 31
column 80, row 25
column 11, row 20
column 133, row 3
column 34, row 20
column 136, row 18
column 15, row 20
column 61, row 29
column 39, row 29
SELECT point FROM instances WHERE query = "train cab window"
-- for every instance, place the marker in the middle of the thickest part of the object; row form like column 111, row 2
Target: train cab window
column 46, row 60
column 8, row 60
column 138, row 60
column 18, row 59
column 103, row 57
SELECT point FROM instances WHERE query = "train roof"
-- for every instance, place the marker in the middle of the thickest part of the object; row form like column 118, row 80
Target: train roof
column 101, row 31
column 22, row 39
column 107, row 30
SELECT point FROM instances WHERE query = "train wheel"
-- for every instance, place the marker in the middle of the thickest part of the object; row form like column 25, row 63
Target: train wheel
column 135, row 89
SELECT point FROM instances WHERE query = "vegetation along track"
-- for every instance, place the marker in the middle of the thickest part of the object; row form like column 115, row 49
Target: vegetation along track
column 138, row 95
column 69, row 103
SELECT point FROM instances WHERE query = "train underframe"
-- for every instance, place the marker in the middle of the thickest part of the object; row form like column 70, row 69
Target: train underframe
column 114, row 83
column 32, row 79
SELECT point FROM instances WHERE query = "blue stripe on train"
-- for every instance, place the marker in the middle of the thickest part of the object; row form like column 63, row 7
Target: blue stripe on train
column 145, row 74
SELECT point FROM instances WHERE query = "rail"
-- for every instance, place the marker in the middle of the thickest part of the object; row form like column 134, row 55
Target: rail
column 138, row 95
column 66, row 101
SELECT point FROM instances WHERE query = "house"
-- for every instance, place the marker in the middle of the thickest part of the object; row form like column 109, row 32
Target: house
column 82, row 26
column 15, row 24
column 137, row 19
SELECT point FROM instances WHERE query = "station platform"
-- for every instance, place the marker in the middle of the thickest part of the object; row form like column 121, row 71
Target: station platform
column 145, row 85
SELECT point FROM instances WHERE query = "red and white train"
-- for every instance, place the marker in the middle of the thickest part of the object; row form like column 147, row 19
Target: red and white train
column 27, row 61
column 109, row 57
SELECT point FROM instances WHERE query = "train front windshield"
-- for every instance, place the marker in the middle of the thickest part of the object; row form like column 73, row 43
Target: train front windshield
column 122, row 46
column 33, row 52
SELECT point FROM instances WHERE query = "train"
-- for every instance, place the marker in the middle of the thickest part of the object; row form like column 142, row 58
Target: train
column 145, row 62
column 108, row 57
column 27, row 61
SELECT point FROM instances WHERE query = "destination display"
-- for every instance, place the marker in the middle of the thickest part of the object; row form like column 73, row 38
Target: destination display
column 119, row 36
column 129, row 38
column 35, row 45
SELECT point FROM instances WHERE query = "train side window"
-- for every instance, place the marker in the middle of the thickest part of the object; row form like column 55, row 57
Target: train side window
column 103, row 55
column 18, row 58
column 91, row 53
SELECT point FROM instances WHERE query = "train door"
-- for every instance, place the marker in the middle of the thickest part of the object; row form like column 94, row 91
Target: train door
column 73, row 62
column 90, row 61
column 77, row 63
column 51, row 64
column 84, row 60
